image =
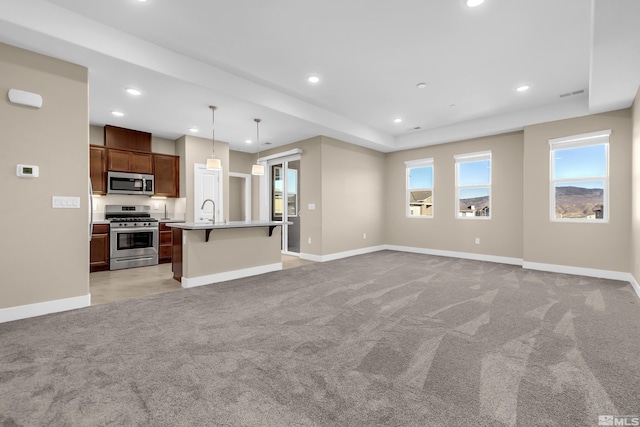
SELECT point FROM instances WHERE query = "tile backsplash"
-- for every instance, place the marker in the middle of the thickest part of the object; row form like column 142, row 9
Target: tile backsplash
column 175, row 207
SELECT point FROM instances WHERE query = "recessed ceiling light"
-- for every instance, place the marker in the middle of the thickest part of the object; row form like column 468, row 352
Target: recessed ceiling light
column 248, row 141
column 117, row 113
column 474, row 3
column 313, row 79
column 523, row 88
column 193, row 129
column 397, row 120
column 133, row 91
column 421, row 85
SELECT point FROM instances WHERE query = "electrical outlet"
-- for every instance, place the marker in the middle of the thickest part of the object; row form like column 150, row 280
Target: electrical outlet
column 477, row 240
column 309, row 240
column 156, row 206
column 364, row 236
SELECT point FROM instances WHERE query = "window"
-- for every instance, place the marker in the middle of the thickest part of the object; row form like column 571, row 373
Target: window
column 473, row 185
column 580, row 177
column 278, row 191
column 420, row 188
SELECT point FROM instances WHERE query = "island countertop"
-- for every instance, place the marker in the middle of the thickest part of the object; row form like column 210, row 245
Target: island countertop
column 222, row 225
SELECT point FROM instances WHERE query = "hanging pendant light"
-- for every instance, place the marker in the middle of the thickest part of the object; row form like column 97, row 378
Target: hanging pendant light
column 257, row 169
column 213, row 162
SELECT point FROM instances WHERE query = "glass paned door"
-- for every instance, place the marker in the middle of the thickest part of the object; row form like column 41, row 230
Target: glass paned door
column 285, row 201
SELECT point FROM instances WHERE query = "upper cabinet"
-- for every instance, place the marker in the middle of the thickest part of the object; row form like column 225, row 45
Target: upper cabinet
column 166, row 170
column 98, row 169
column 128, row 150
column 129, row 161
column 127, row 139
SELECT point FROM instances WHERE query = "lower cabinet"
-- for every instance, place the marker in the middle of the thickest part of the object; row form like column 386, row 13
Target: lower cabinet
column 176, row 259
column 99, row 258
column 164, row 244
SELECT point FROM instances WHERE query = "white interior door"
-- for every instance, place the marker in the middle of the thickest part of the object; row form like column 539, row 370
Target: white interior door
column 207, row 184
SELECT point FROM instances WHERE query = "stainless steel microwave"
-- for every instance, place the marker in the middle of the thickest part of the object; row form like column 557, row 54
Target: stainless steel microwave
column 130, row 183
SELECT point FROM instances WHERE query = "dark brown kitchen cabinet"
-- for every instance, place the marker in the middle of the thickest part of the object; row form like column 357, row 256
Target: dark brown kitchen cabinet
column 166, row 170
column 165, row 242
column 99, row 259
column 98, row 169
column 129, row 161
column 127, row 139
column 176, row 254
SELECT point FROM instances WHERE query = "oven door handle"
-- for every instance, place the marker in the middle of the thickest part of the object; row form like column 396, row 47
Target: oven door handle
column 134, row 229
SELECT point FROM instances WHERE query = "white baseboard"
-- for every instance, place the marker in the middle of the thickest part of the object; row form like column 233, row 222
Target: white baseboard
column 579, row 271
column 41, row 308
column 634, row 284
column 453, row 254
column 340, row 255
column 191, row 282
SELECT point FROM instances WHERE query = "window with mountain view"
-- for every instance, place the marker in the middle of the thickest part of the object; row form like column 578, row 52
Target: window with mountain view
column 473, row 185
column 580, row 177
column 420, row 188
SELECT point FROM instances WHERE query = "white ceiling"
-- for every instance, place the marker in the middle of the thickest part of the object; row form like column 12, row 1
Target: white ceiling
column 251, row 59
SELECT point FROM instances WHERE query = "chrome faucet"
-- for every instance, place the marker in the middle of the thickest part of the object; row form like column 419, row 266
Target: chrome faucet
column 213, row 218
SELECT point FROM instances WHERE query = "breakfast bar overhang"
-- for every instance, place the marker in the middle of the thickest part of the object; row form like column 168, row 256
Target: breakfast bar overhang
column 206, row 253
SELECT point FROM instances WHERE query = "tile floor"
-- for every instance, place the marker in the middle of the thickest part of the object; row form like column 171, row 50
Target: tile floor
column 109, row 286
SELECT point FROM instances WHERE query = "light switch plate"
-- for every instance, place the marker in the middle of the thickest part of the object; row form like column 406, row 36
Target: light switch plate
column 60, row 202
column 312, row 206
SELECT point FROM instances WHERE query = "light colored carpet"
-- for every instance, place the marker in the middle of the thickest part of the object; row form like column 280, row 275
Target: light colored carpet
column 389, row 339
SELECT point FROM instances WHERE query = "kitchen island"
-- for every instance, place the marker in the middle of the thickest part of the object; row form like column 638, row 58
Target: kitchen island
column 206, row 253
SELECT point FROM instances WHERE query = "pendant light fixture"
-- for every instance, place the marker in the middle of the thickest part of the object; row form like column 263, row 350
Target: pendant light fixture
column 257, row 169
column 213, row 162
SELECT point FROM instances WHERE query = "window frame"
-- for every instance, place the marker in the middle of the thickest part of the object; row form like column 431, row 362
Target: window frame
column 468, row 158
column 579, row 141
column 415, row 164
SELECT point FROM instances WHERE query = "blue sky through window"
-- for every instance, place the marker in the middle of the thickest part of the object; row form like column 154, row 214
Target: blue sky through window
column 580, row 162
column 421, row 177
column 292, row 183
column 474, row 173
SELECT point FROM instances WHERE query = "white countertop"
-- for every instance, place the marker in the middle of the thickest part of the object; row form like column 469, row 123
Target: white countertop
column 222, row 225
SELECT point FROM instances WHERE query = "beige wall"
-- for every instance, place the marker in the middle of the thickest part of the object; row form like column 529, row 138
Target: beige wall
column 635, row 187
column 353, row 197
column 45, row 253
column 236, row 198
column 499, row 236
column 96, row 135
column 240, row 162
column 598, row 246
column 192, row 150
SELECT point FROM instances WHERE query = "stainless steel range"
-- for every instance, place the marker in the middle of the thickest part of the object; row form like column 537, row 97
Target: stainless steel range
column 133, row 236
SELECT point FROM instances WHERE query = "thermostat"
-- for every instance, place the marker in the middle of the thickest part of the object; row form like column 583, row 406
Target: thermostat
column 28, row 171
